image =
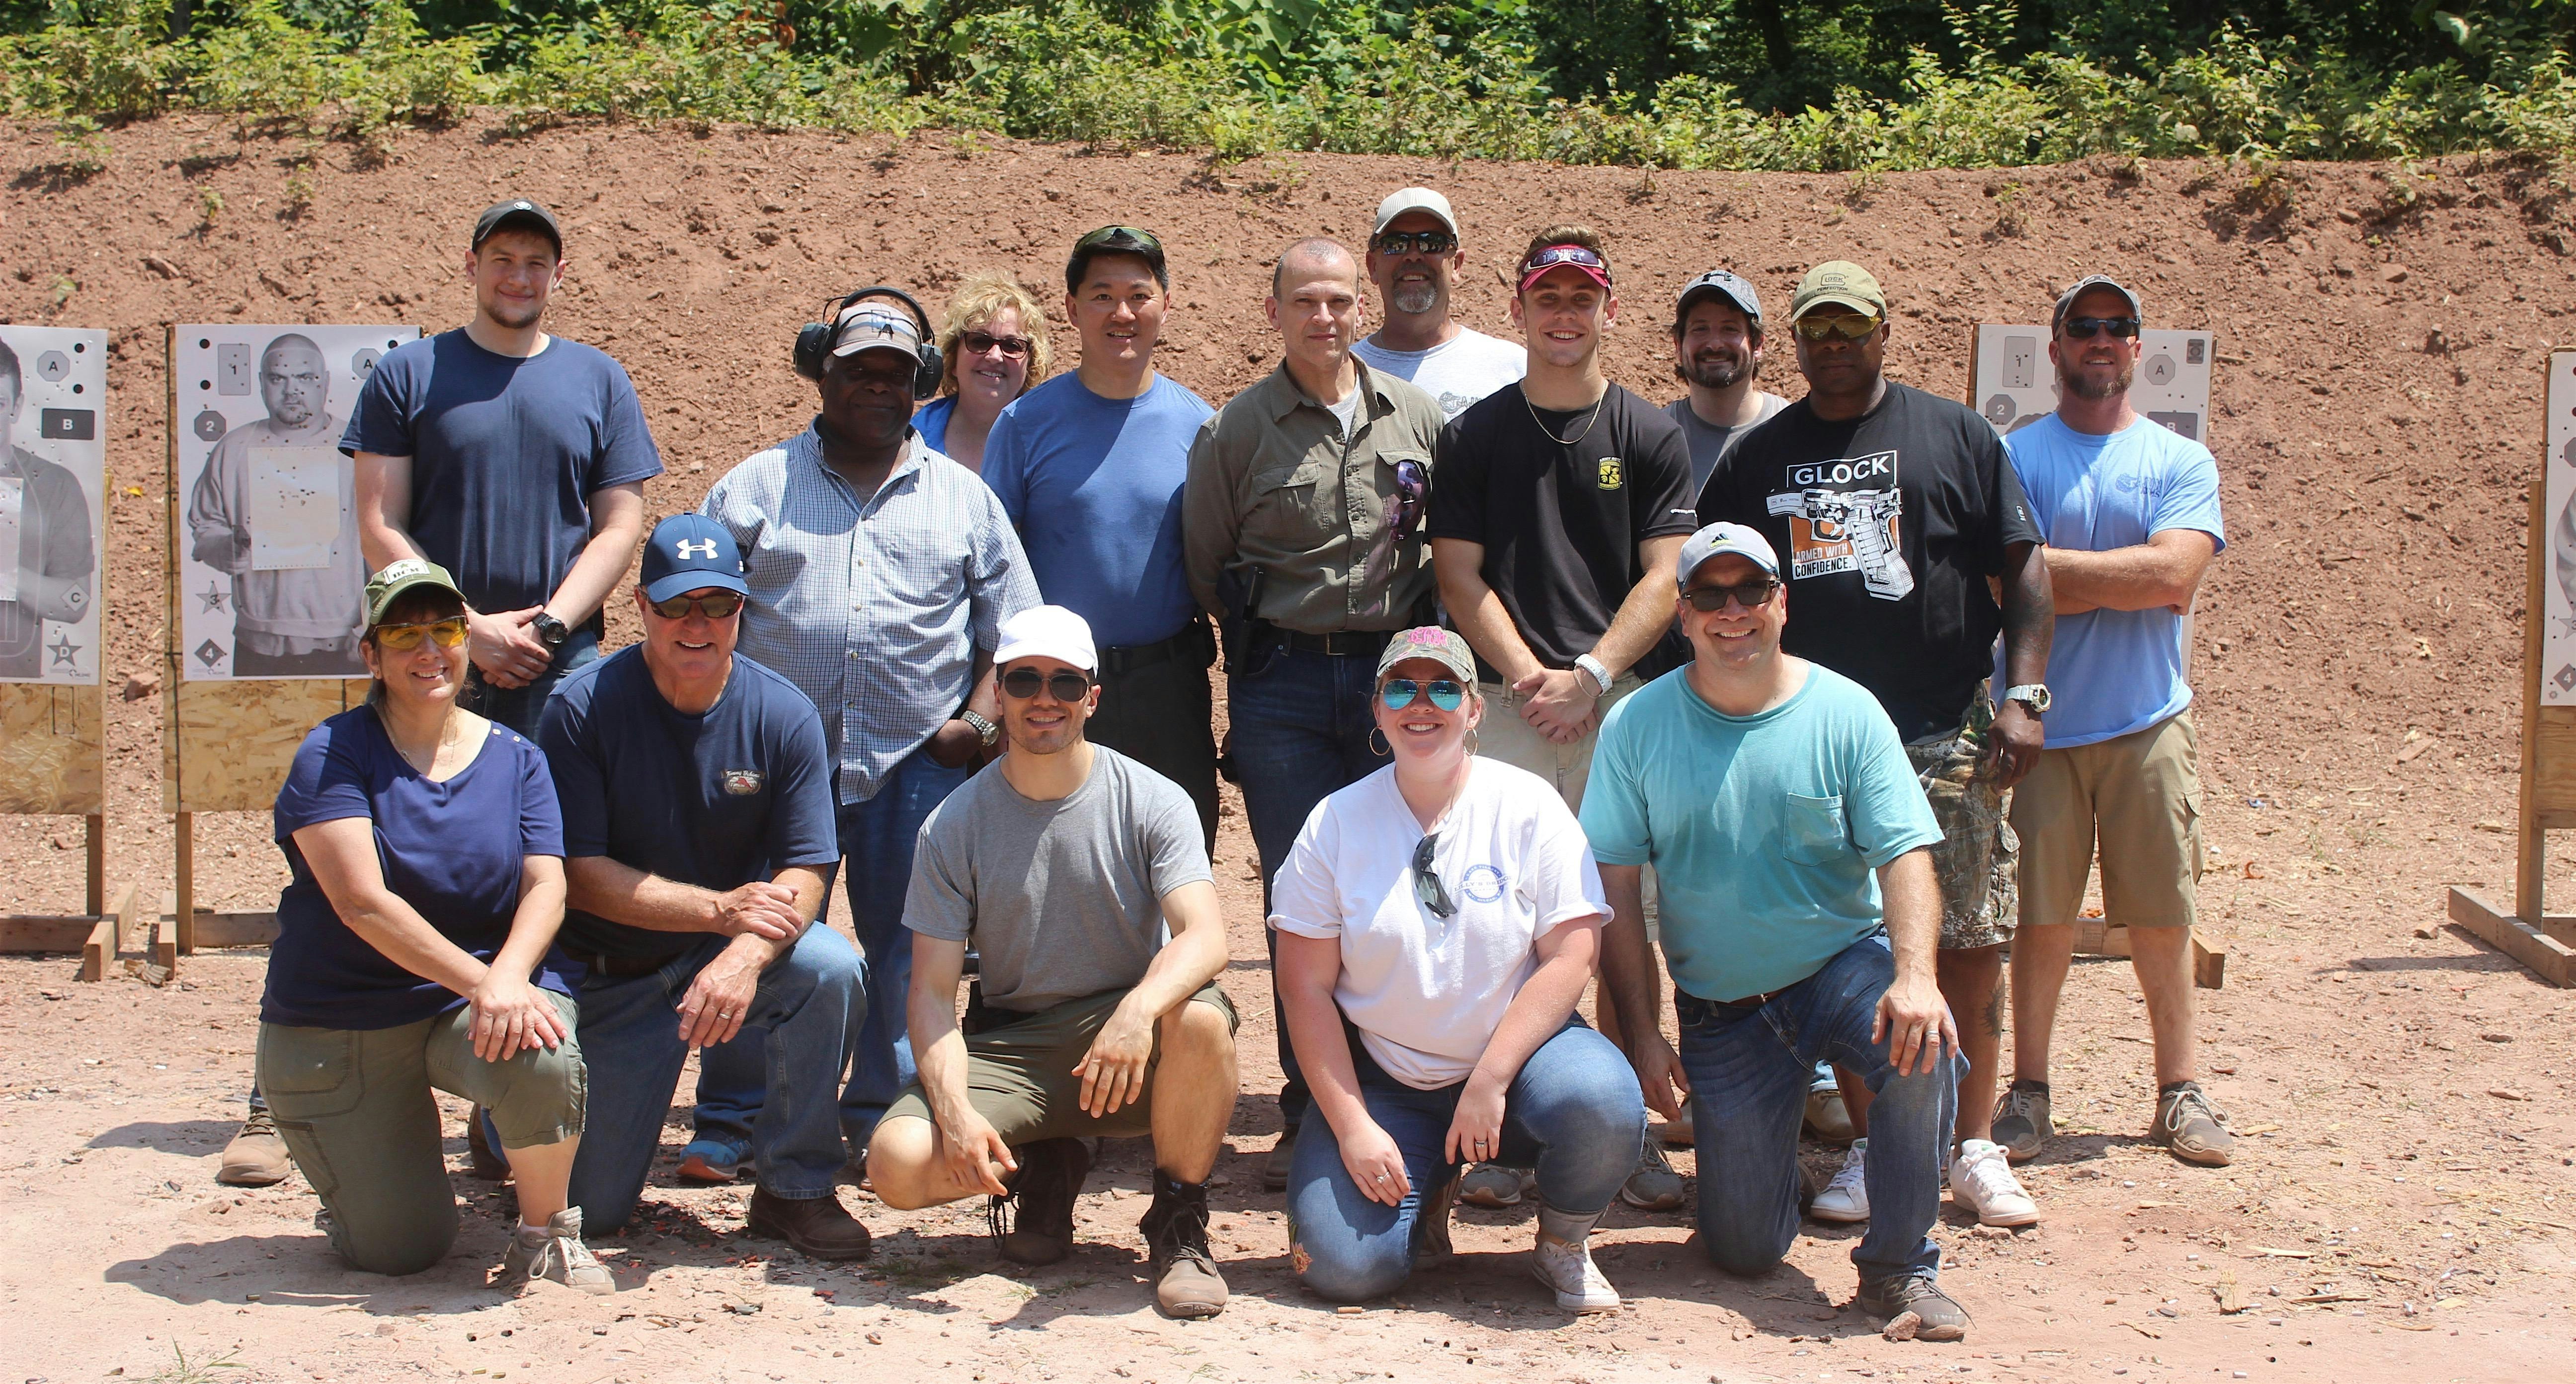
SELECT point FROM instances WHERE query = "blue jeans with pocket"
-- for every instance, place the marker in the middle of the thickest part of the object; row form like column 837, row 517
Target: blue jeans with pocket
column 1751, row 1067
column 808, row 1005
column 1574, row 1113
column 876, row 840
column 521, row 708
column 1301, row 730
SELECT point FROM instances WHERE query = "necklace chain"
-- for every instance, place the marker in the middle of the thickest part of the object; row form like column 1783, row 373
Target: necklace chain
column 1587, row 423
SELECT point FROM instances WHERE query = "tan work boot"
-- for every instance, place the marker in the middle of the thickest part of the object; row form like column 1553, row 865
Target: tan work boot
column 1186, row 1281
column 257, row 1155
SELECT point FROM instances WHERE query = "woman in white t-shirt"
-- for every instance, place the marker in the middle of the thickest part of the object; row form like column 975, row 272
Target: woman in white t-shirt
column 1445, row 911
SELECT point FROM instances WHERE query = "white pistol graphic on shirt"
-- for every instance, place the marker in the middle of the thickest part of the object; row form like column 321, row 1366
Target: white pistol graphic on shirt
column 1843, row 518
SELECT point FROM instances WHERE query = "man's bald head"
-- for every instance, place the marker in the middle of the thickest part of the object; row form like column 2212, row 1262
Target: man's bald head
column 294, row 382
column 1312, row 258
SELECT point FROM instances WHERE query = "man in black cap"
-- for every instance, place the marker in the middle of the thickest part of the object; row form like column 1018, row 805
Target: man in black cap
column 1717, row 351
column 514, row 459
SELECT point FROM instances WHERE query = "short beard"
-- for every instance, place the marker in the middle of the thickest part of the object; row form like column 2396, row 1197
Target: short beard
column 1415, row 302
column 1718, row 372
column 495, row 312
column 2082, row 387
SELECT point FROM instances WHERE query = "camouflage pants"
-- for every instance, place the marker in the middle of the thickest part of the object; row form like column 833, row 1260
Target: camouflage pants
column 1978, row 856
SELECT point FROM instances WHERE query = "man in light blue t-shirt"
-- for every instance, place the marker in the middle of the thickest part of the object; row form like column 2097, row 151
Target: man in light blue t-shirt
column 2131, row 514
column 1800, row 915
column 1090, row 467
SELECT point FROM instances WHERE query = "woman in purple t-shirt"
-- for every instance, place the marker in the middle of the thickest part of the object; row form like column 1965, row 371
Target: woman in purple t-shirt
column 427, row 857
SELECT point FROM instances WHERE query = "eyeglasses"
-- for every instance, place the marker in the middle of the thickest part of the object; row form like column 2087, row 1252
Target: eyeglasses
column 1414, row 242
column 2085, row 328
column 1751, row 595
column 1399, row 693
column 1011, row 347
column 1427, row 889
column 1555, row 255
column 1827, row 326
column 1023, row 684
column 718, row 605
column 1412, row 495
column 1110, row 236
column 402, row 639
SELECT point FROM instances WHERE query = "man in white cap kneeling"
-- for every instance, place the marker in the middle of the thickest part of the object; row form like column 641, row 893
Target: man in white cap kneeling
column 1081, row 878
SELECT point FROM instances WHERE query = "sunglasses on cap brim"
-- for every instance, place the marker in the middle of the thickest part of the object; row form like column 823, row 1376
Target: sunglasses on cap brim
column 1577, row 256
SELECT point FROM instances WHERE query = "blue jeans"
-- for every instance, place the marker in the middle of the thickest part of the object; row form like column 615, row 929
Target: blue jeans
column 1574, row 1113
column 521, row 708
column 877, row 837
column 1301, row 730
column 809, row 1002
column 1750, row 1070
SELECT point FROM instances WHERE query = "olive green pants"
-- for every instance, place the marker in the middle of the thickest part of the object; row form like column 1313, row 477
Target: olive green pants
column 357, row 1113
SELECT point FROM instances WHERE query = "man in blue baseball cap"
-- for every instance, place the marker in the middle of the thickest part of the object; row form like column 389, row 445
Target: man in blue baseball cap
column 698, row 841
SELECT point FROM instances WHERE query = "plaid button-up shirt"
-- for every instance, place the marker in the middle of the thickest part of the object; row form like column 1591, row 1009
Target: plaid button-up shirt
column 874, row 607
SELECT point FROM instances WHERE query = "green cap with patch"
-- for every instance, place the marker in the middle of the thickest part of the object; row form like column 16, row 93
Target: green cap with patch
column 1838, row 283
column 401, row 575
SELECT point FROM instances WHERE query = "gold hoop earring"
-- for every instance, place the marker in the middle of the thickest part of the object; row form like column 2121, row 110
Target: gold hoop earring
column 1378, row 738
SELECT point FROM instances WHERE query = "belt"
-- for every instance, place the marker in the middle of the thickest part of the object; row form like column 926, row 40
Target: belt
column 624, row 967
column 1136, row 656
column 1338, row 644
column 1686, row 1004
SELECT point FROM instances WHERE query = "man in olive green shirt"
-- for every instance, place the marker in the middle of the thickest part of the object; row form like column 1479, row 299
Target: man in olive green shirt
column 1301, row 526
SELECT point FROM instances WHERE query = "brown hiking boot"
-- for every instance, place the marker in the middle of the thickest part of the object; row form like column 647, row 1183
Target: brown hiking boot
column 820, row 1226
column 257, row 1155
column 1432, row 1225
column 1049, row 1179
column 1186, row 1283
column 2192, row 1127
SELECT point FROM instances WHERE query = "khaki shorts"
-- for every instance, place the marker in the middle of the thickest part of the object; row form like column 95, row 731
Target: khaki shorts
column 1975, row 860
column 2138, row 799
column 1020, row 1076
column 1505, row 736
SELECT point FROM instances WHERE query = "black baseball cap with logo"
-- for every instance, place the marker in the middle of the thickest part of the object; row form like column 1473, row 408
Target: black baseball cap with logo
column 517, row 214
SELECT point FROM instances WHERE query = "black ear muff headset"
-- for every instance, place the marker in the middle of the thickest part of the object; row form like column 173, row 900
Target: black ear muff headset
column 814, row 340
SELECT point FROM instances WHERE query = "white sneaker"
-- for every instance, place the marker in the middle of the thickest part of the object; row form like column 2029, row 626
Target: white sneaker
column 1567, row 1267
column 555, row 1251
column 1846, row 1198
column 1982, row 1182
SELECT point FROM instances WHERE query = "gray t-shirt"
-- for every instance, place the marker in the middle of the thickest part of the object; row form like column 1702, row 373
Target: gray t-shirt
column 1064, row 898
column 1709, row 443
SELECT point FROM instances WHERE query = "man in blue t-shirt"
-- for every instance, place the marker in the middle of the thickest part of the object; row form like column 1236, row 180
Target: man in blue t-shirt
column 697, row 802
column 1776, row 803
column 1090, row 468
column 2131, row 514
column 515, row 460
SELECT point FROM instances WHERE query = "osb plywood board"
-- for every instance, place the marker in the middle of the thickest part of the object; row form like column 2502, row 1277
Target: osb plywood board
column 232, row 742
column 53, row 749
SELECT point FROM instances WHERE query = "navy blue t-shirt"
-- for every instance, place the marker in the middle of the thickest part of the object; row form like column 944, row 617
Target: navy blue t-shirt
column 734, row 794
column 505, row 454
column 454, row 851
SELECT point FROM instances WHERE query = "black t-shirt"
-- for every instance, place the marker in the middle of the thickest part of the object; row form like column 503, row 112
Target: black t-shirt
column 1560, row 522
column 736, row 793
column 1889, row 525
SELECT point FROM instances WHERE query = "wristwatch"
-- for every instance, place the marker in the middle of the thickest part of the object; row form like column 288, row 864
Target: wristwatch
column 985, row 730
column 551, row 632
column 2032, row 695
column 1592, row 668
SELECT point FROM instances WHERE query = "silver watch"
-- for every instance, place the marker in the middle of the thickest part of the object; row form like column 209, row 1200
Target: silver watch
column 1594, row 669
column 985, row 730
column 2032, row 695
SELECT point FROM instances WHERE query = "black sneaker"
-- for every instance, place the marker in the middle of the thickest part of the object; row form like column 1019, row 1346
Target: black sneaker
column 1186, row 1281
column 1049, row 1179
column 1936, row 1317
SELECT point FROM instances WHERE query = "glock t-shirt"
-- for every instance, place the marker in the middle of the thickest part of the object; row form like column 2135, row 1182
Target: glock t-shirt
column 1888, row 526
column 1560, row 521
column 505, row 454
column 735, row 793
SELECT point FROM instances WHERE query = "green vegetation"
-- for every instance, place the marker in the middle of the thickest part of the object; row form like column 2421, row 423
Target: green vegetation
column 1756, row 84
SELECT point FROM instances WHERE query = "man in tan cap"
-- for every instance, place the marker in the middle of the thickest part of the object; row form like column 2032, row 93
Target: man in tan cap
column 1414, row 255
column 1891, row 509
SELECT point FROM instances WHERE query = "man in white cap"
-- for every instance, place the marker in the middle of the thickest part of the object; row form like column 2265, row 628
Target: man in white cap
column 1792, row 851
column 1080, row 877
column 1413, row 258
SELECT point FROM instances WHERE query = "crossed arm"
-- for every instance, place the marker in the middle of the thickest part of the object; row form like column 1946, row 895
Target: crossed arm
column 2163, row 571
column 764, row 918
column 1560, row 701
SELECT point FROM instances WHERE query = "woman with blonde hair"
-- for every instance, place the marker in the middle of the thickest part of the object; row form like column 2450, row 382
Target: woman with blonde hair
column 994, row 340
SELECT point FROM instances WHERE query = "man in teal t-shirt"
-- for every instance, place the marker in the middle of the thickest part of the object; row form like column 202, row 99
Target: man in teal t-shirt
column 1792, row 846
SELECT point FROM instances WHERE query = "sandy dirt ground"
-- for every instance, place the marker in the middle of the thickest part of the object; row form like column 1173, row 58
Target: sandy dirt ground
column 2401, row 1207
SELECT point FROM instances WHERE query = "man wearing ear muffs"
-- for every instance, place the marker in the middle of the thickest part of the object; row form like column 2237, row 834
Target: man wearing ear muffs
column 880, row 574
